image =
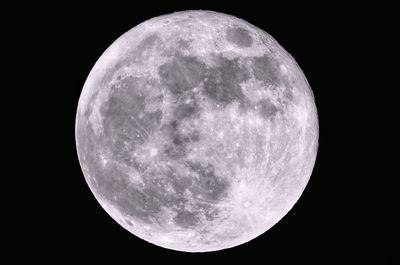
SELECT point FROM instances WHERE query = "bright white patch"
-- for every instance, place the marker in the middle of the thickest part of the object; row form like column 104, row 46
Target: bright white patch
column 153, row 152
column 255, row 121
column 246, row 204
column 103, row 160
column 221, row 134
column 283, row 69
column 209, row 116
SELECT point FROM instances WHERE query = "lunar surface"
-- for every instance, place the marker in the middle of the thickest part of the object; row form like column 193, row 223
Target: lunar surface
column 196, row 131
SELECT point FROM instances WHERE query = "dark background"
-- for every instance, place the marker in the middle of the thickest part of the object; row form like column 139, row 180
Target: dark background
column 343, row 214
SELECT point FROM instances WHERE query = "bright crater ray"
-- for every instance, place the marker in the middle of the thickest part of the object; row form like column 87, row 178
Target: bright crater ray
column 196, row 131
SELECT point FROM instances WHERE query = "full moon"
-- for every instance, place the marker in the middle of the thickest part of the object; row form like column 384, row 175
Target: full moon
column 196, row 131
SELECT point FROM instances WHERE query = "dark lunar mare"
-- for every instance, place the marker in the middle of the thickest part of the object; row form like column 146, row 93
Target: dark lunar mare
column 204, row 184
column 126, row 124
column 181, row 74
column 267, row 109
column 239, row 36
column 223, row 82
column 266, row 69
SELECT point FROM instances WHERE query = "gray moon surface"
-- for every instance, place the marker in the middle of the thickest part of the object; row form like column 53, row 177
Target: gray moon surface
column 196, row 131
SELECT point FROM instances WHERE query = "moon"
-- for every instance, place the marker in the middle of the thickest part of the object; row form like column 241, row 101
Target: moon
column 196, row 131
